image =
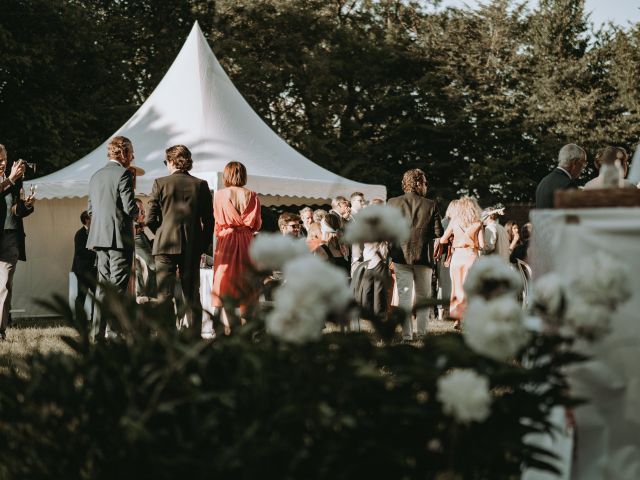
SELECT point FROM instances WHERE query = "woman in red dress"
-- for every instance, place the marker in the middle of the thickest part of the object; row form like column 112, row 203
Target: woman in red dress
column 237, row 213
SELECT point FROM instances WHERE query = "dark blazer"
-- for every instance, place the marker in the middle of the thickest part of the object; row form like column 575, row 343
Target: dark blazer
column 556, row 180
column 426, row 225
column 84, row 260
column 112, row 207
column 20, row 211
column 181, row 215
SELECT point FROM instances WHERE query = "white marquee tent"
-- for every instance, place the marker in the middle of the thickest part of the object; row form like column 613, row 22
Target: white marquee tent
column 195, row 104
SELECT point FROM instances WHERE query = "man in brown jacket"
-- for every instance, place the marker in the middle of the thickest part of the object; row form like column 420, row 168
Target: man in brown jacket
column 181, row 216
column 413, row 259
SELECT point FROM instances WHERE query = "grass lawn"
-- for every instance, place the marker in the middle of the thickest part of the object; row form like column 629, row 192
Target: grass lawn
column 45, row 335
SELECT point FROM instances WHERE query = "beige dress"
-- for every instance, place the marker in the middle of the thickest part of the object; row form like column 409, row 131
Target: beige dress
column 465, row 253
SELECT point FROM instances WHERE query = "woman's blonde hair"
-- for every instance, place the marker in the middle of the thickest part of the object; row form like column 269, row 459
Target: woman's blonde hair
column 451, row 209
column 466, row 211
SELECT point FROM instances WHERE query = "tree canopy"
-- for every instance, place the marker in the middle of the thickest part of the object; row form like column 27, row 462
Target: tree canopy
column 480, row 99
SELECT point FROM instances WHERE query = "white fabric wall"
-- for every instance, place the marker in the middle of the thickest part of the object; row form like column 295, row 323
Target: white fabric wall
column 49, row 244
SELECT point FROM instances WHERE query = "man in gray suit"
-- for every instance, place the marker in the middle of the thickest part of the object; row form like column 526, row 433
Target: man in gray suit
column 181, row 216
column 112, row 208
column 413, row 259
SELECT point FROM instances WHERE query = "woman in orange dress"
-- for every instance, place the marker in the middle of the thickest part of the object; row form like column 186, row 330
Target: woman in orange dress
column 466, row 229
column 237, row 214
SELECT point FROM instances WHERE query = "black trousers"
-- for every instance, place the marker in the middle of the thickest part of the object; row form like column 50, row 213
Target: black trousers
column 188, row 268
column 86, row 284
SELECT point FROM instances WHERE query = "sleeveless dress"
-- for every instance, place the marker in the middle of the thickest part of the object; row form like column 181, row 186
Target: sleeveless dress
column 465, row 252
column 234, row 231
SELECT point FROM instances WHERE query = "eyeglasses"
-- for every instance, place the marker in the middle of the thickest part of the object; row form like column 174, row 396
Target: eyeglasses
column 165, row 162
column 294, row 226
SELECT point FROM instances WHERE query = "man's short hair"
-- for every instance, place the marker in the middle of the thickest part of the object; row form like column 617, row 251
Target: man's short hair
column 337, row 201
column 85, row 217
column 287, row 217
column 412, row 179
column 234, row 175
column 180, row 157
column 306, row 210
column 570, row 154
column 118, row 148
column 356, row 194
column 376, row 201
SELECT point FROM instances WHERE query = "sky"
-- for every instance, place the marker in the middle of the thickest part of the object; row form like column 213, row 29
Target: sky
column 618, row 11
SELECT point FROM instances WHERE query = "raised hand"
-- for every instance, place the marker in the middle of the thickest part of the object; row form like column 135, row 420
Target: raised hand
column 17, row 171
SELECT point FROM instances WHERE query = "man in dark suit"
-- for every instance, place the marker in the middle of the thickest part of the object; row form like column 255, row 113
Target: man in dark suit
column 13, row 208
column 112, row 208
column 181, row 216
column 571, row 161
column 84, row 262
column 413, row 259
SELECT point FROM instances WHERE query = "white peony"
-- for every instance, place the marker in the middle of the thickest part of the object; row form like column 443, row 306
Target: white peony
column 550, row 298
column 495, row 328
column 270, row 251
column 464, row 395
column 312, row 291
column 491, row 276
column 589, row 321
column 602, row 280
column 377, row 223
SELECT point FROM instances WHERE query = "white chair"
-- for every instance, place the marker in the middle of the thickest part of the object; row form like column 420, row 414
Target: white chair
column 525, row 273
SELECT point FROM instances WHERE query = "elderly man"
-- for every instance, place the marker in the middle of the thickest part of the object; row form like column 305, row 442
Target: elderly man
column 12, row 248
column 413, row 259
column 306, row 215
column 571, row 161
column 496, row 239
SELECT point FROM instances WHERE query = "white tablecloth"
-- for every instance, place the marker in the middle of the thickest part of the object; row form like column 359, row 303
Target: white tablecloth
column 608, row 428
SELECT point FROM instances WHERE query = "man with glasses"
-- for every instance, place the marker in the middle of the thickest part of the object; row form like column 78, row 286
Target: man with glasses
column 289, row 224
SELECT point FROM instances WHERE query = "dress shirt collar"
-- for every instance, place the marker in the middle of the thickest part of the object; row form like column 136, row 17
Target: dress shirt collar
column 568, row 174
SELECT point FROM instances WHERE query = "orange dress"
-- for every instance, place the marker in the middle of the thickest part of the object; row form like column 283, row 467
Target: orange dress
column 234, row 232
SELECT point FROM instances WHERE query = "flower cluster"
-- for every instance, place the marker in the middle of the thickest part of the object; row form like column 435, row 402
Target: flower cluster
column 492, row 277
column 586, row 301
column 465, row 395
column 313, row 290
column 495, row 328
column 270, row 251
column 377, row 223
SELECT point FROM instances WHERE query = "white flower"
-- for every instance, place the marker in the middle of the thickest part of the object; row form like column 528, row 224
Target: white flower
column 312, row 291
column 377, row 223
column 602, row 280
column 549, row 298
column 465, row 395
column 270, row 251
column 589, row 321
column 491, row 276
column 495, row 328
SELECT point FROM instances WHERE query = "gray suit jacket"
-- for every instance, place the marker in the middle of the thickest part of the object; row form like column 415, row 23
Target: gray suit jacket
column 112, row 207
column 181, row 215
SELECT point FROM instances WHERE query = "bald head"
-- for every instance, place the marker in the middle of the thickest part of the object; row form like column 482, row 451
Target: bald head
column 573, row 159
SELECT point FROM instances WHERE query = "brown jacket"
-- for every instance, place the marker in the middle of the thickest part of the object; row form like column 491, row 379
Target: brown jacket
column 181, row 215
column 425, row 223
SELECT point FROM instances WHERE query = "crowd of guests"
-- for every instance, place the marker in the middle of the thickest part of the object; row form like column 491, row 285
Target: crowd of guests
column 113, row 249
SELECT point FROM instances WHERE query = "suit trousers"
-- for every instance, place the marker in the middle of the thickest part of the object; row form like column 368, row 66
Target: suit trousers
column 9, row 253
column 188, row 268
column 114, row 268
column 410, row 279
column 86, row 284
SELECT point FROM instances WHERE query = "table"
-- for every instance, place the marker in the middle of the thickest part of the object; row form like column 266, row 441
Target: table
column 608, row 427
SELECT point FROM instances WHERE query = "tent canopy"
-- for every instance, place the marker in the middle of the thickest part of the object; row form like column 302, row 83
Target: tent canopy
column 196, row 105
